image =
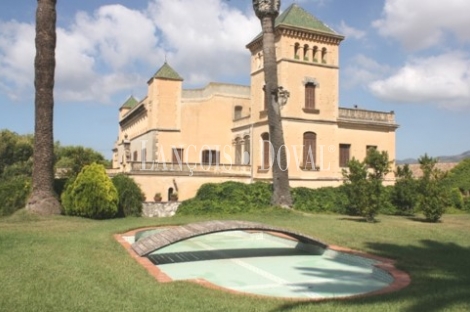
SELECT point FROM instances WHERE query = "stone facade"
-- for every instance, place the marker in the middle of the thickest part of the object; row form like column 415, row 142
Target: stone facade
column 175, row 140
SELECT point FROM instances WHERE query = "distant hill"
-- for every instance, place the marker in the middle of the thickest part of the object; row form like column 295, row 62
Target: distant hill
column 442, row 159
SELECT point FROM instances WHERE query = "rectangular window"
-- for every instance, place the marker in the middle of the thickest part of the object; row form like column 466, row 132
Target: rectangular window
column 210, row 157
column 238, row 112
column 310, row 150
column 177, row 156
column 266, row 151
column 310, row 96
column 368, row 147
column 344, row 154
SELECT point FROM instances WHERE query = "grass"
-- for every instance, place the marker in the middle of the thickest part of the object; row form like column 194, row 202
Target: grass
column 73, row 264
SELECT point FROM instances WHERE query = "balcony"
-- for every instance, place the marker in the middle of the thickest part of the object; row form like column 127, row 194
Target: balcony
column 355, row 115
column 190, row 169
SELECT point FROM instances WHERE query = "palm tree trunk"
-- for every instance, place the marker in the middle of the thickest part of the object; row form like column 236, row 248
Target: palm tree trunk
column 267, row 12
column 43, row 199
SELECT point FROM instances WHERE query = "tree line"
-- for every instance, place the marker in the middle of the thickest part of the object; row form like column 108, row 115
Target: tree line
column 17, row 161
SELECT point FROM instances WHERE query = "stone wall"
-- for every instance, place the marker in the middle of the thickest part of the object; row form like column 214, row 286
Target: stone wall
column 159, row 209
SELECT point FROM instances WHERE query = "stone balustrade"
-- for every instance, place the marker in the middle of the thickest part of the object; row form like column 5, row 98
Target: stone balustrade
column 354, row 114
column 189, row 168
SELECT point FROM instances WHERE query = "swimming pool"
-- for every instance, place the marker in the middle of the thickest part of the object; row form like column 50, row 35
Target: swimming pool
column 268, row 264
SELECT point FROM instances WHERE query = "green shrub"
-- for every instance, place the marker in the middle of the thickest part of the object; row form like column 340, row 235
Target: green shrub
column 459, row 176
column 363, row 184
column 432, row 191
column 91, row 194
column 456, row 198
column 228, row 198
column 259, row 194
column 404, row 193
column 466, row 204
column 324, row 199
column 386, row 201
column 130, row 196
column 234, row 197
column 13, row 194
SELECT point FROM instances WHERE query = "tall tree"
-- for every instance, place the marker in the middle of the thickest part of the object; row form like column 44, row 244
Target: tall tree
column 432, row 192
column 267, row 11
column 43, row 199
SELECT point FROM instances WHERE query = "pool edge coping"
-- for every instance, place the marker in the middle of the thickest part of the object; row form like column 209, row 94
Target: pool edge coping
column 401, row 279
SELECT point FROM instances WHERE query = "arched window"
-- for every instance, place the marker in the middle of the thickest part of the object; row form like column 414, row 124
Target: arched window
column 266, row 151
column 310, row 150
column 306, row 52
column 315, row 54
column 135, row 155
column 238, row 151
column 237, row 114
column 296, row 50
column 246, row 150
column 170, row 193
column 323, row 55
column 310, row 96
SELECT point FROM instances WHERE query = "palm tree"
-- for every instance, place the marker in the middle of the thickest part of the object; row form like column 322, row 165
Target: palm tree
column 43, row 199
column 267, row 11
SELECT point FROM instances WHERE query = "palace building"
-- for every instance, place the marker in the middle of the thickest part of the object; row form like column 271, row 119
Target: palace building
column 175, row 139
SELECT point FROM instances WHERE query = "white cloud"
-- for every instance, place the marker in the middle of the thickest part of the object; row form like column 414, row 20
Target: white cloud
column 120, row 35
column 420, row 24
column 16, row 58
column 116, row 48
column 207, row 37
column 443, row 80
column 350, row 32
column 363, row 70
column 97, row 55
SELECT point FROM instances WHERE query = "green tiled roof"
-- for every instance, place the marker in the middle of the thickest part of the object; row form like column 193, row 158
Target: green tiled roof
column 130, row 103
column 297, row 17
column 166, row 72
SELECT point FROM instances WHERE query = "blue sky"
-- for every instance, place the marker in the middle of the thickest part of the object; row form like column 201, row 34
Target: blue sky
column 409, row 56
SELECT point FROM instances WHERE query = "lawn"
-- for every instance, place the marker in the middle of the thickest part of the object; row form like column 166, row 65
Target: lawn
column 73, row 264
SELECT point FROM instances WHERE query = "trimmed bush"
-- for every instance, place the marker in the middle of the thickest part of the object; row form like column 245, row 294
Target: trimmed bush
column 91, row 194
column 324, row 199
column 130, row 196
column 234, row 197
column 228, row 197
column 13, row 194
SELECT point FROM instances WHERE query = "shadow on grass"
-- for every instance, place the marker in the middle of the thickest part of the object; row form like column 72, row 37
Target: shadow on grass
column 359, row 219
column 440, row 280
column 421, row 219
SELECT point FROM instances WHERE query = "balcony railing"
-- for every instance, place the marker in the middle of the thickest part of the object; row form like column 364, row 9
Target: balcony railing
column 362, row 115
column 184, row 168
